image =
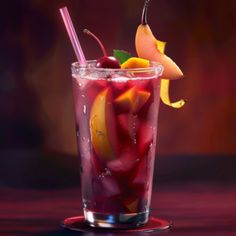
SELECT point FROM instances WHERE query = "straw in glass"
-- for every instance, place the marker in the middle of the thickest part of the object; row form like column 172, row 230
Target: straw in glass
column 72, row 35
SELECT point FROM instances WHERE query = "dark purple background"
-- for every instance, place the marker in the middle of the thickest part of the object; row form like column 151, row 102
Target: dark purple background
column 35, row 57
column 39, row 174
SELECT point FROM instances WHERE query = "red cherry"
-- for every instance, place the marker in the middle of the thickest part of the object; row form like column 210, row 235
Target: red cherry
column 108, row 62
column 105, row 61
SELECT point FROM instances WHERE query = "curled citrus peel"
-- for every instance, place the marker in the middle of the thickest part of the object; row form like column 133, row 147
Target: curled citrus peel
column 148, row 47
column 165, row 83
column 129, row 97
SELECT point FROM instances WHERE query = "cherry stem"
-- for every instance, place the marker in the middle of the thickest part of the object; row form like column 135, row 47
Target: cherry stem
column 97, row 39
column 144, row 14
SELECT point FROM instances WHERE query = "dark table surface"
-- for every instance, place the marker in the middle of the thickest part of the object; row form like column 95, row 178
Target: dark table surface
column 199, row 197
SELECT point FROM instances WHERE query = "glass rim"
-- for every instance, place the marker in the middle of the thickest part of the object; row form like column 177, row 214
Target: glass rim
column 155, row 66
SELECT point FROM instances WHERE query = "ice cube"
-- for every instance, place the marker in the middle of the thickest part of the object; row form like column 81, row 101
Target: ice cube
column 129, row 123
column 110, row 187
column 119, row 82
column 120, row 77
column 141, row 173
column 145, row 137
column 106, row 186
column 125, row 162
column 140, row 84
column 123, row 120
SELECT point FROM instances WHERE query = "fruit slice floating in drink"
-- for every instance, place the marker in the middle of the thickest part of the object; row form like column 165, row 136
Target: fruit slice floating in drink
column 132, row 100
column 105, row 61
column 100, row 116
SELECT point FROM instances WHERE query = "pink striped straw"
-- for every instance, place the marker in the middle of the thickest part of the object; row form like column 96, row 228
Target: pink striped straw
column 72, row 35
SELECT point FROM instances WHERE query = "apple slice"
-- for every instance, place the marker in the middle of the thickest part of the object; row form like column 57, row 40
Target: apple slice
column 101, row 115
column 132, row 100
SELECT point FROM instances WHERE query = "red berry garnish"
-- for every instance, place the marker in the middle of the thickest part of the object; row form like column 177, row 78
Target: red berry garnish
column 105, row 61
column 108, row 62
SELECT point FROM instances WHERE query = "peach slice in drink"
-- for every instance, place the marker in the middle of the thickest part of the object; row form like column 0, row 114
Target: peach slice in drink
column 127, row 99
column 102, row 125
column 132, row 100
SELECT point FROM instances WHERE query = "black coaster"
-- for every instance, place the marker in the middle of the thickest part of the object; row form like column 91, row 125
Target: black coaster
column 77, row 224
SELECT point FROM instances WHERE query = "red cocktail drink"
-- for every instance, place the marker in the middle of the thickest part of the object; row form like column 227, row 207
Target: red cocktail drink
column 116, row 119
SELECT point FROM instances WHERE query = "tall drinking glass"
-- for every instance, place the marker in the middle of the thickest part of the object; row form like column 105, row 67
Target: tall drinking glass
column 116, row 121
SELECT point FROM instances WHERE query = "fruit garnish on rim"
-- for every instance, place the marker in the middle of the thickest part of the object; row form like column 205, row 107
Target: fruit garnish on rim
column 135, row 62
column 148, row 47
column 105, row 61
column 165, row 84
column 121, row 55
column 128, row 62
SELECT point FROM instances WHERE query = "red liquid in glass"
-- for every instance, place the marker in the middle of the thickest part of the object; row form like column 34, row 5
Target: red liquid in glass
column 118, row 179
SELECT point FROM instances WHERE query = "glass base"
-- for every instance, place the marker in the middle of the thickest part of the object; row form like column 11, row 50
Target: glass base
column 77, row 223
column 115, row 221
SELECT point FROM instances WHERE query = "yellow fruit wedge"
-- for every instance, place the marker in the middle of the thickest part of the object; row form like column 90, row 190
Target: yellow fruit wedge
column 135, row 62
column 165, row 84
column 141, row 98
column 127, row 99
column 133, row 99
column 98, row 126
